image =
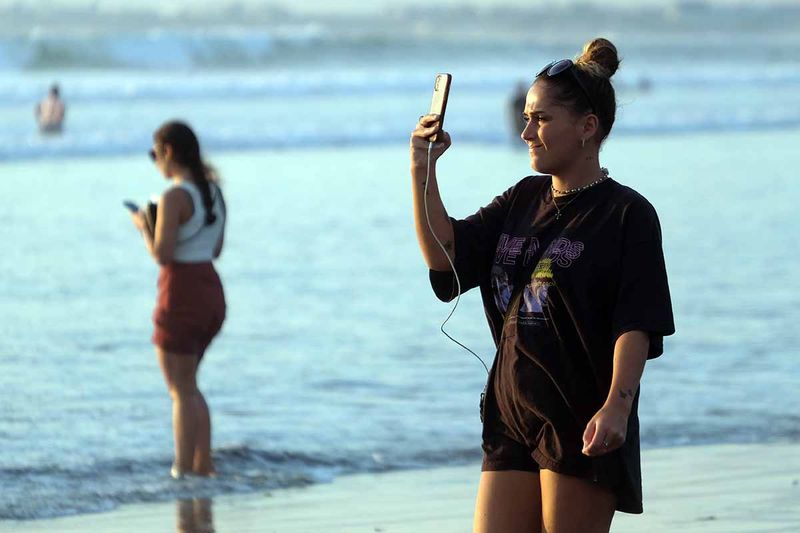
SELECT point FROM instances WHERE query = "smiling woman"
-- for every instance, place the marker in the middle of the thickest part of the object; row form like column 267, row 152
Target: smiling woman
column 574, row 285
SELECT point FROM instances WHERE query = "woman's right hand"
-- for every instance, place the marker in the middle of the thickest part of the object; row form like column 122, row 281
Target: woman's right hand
column 420, row 138
column 139, row 220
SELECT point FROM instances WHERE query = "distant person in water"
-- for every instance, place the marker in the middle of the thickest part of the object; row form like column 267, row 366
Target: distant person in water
column 644, row 84
column 190, row 308
column 50, row 112
column 516, row 109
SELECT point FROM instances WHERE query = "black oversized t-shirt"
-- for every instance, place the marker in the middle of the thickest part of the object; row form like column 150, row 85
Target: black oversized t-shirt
column 570, row 287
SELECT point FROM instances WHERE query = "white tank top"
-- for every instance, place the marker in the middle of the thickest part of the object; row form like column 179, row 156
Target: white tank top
column 196, row 240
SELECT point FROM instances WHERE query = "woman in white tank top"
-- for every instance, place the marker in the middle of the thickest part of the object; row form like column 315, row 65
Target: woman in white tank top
column 190, row 307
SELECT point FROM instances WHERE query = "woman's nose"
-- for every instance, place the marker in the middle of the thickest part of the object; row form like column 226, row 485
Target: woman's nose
column 527, row 132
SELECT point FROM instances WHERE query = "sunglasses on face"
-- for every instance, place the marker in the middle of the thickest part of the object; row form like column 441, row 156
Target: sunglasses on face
column 556, row 68
column 152, row 154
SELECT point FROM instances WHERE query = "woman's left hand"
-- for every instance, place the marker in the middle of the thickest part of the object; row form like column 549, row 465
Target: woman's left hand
column 606, row 431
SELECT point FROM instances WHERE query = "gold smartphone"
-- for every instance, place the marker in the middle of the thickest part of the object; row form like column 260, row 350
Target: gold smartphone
column 441, row 90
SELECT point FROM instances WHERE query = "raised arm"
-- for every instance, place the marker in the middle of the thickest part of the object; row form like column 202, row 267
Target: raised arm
column 422, row 172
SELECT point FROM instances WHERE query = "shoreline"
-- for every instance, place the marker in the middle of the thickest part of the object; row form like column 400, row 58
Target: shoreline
column 708, row 488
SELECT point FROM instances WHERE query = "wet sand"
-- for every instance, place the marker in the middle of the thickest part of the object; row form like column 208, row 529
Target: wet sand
column 710, row 489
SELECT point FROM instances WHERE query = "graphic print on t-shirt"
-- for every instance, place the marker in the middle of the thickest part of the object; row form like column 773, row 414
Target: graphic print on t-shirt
column 534, row 299
column 509, row 250
column 561, row 253
column 501, row 288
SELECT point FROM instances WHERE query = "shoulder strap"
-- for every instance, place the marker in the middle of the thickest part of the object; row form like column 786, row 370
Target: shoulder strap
column 194, row 207
column 218, row 191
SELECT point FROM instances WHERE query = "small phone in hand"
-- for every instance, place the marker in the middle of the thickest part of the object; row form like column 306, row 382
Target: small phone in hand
column 441, row 90
column 132, row 207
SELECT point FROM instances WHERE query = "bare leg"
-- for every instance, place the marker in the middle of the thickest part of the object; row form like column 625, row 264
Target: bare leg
column 203, row 465
column 508, row 502
column 179, row 373
column 574, row 505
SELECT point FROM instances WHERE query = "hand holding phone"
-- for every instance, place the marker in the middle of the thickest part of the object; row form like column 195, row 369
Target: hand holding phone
column 132, row 207
column 441, row 90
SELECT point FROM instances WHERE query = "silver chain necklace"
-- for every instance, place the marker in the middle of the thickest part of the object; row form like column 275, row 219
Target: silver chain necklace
column 601, row 179
column 578, row 190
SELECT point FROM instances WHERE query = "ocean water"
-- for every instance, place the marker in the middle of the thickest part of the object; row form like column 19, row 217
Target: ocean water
column 331, row 361
column 356, row 81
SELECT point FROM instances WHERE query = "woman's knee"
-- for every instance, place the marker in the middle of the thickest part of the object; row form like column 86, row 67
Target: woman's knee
column 183, row 389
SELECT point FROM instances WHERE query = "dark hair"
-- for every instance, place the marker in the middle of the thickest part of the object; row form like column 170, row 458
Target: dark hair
column 594, row 67
column 186, row 152
column 54, row 90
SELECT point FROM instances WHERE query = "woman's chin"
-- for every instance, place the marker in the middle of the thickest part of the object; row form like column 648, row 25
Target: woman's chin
column 537, row 166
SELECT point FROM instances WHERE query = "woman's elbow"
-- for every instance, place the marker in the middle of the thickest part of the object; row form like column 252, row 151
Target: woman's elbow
column 162, row 257
column 440, row 264
column 445, row 297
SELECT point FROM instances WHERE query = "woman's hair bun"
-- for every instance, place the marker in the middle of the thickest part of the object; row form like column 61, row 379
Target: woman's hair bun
column 599, row 57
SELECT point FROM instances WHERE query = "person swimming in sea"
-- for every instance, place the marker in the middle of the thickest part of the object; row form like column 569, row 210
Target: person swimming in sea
column 50, row 112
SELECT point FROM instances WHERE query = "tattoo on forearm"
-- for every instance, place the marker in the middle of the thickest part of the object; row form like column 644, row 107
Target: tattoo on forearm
column 625, row 394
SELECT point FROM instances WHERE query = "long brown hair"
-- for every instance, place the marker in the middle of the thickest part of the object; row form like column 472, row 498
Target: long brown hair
column 186, row 152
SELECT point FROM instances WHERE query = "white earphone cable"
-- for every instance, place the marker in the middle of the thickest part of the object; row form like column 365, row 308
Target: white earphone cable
column 449, row 260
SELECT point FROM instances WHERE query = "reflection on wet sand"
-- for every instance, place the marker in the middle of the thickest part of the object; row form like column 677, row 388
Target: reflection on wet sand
column 194, row 516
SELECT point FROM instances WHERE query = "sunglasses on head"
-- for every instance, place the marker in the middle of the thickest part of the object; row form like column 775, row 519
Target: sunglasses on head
column 551, row 70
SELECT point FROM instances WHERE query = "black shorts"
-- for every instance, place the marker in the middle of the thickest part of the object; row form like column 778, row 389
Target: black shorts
column 501, row 452
column 504, row 453
column 618, row 471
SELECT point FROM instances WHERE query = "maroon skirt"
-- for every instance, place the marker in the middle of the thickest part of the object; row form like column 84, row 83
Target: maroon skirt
column 190, row 308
